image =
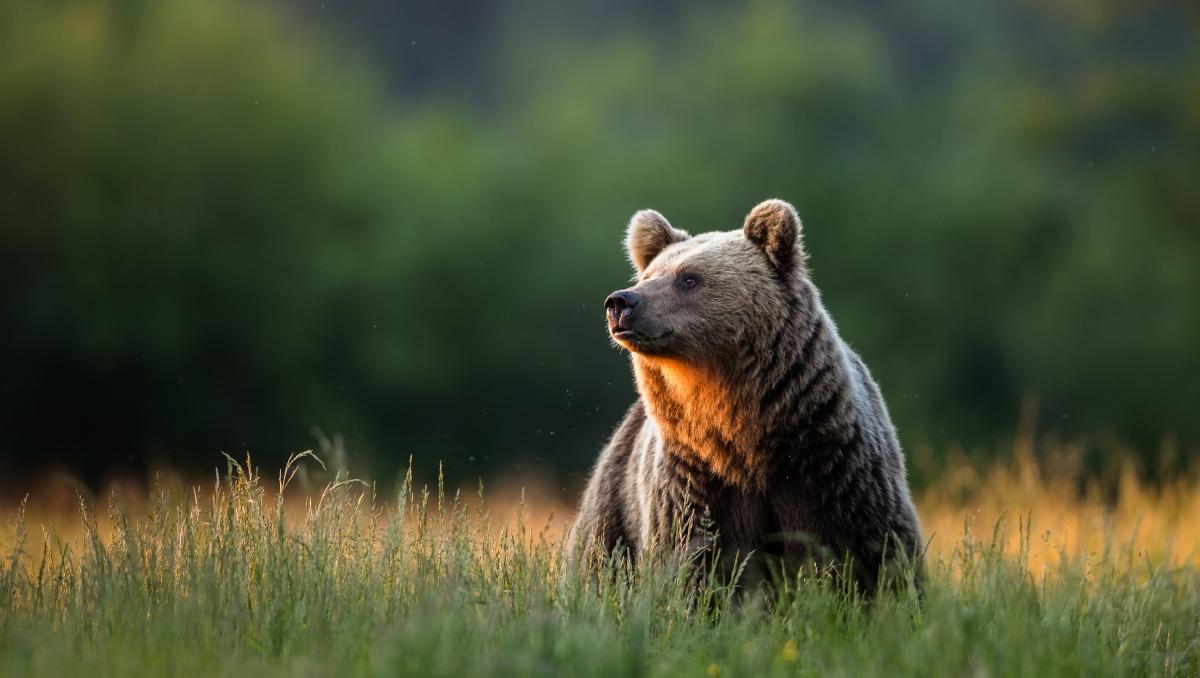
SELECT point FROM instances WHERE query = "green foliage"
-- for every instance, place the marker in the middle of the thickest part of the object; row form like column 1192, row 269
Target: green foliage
column 229, row 584
column 218, row 231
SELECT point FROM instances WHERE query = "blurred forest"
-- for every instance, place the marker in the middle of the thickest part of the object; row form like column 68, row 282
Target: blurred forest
column 226, row 225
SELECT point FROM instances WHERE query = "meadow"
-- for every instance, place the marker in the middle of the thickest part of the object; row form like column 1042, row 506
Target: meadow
column 227, row 224
column 1035, row 568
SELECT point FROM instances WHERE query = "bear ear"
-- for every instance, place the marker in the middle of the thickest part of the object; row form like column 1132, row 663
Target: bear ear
column 649, row 233
column 774, row 226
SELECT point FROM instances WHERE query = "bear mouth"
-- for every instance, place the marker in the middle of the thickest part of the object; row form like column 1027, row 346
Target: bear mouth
column 619, row 331
column 633, row 339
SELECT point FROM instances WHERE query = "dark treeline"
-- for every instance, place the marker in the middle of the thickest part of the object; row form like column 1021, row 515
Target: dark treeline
column 225, row 225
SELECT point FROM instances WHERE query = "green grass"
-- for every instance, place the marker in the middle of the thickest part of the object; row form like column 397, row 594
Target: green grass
column 236, row 584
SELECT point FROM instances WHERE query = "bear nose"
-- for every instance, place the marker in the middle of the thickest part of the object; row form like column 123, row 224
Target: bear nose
column 620, row 301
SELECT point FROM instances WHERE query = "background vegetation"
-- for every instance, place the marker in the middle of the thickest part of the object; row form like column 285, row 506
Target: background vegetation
column 223, row 224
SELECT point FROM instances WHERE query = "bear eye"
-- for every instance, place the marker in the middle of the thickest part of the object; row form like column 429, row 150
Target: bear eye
column 689, row 280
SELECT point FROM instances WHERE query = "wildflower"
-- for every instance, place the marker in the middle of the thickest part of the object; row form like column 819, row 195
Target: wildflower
column 788, row 654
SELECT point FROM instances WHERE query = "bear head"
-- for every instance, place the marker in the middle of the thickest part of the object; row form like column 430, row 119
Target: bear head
column 696, row 299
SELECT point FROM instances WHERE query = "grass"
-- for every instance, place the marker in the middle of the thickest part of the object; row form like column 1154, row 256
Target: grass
column 246, row 579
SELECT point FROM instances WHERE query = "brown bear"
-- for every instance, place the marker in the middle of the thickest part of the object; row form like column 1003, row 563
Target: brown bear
column 754, row 417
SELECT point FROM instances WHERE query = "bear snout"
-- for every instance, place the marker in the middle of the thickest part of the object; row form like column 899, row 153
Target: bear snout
column 620, row 306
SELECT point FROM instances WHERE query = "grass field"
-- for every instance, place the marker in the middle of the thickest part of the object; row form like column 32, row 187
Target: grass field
column 1031, row 574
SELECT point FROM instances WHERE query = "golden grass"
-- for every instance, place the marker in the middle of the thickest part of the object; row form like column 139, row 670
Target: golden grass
column 1123, row 518
column 1035, row 489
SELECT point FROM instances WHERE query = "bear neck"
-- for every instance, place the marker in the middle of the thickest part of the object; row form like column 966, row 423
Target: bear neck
column 737, row 417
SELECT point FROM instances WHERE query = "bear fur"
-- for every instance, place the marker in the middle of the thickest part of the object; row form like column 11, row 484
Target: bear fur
column 754, row 418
